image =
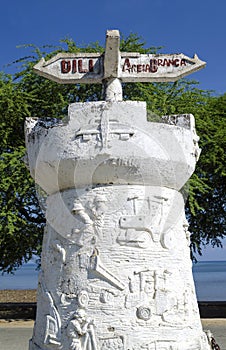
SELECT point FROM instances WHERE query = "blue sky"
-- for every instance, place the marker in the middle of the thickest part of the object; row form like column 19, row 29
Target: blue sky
column 195, row 26
column 189, row 27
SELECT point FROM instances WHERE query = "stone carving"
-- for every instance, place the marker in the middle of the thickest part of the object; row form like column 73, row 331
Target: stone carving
column 52, row 331
column 53, row 320
column 91, row 219
column 86, row 234
column 83, row 299
column 141, row 288
column 168, row 240
column 98, row 268
column 134, row 238
column 140, row 227
column 116, row 256
column 114, row 343
column 107, row 296
column 59, row 249
column 81, row 332
column 142, row 281
column 172, row 305
column 161, row 345
column 103, row 129
column 144, row 313
column 104, row 125
column 84, row 260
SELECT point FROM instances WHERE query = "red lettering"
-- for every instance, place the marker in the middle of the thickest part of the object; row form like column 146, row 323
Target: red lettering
column 166, row 62
column 171, row 62
column 133, row 68
column 90, row 65
column 183, row 62
column 74, row 66
column 126, row 65
column 80, row 68
column 153, row 66
column 176, row 62
column 160, row 62
column 139, row 68
column 147, row 68
column 65, row 66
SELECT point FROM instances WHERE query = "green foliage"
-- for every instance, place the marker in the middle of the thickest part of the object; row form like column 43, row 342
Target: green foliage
column 29, row 95
column 20, row 217
column 207, row 199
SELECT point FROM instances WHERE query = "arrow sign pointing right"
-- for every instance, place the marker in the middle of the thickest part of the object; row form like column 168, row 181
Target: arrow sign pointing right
column 157, row 68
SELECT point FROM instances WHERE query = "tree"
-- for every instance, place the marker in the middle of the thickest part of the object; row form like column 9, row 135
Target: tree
column 20, row 217
column 207, row 204
column 27, row 94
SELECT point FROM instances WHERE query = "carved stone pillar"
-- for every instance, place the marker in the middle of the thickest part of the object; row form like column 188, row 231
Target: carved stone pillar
column 116, row 270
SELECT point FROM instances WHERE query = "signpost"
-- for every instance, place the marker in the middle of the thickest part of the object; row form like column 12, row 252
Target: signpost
column 91, row 68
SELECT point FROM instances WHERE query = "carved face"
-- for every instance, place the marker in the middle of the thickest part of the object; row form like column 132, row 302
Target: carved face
column 80, row 315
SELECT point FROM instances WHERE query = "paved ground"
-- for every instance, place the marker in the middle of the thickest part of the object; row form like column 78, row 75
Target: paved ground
column 15, row 335
column 218, row 328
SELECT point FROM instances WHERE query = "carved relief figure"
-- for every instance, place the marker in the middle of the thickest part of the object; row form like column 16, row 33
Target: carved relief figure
column 98, row 209
column 81, row 332
column 59, row 253
column 53, row 320
column 90, row 221
column 85, row 233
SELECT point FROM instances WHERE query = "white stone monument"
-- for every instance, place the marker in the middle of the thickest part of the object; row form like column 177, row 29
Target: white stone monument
column 116, row 270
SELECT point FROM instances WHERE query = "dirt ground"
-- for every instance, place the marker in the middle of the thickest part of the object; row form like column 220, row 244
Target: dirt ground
column 16, row 323
column 18, row 296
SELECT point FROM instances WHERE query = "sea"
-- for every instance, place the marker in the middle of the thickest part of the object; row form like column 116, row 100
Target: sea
column 209, row 278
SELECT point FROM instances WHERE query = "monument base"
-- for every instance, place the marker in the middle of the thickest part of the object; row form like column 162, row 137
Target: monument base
column 117, row 273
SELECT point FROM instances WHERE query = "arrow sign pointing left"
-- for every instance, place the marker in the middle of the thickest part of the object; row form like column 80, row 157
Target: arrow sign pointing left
column 72, row 68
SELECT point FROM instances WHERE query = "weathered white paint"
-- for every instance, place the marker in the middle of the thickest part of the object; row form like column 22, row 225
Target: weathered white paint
column 105, row 141
column 116, row 269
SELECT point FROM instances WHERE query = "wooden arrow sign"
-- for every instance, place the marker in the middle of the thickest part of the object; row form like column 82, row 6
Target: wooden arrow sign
column 92, row 68
column 72, row 68
column 157, row 68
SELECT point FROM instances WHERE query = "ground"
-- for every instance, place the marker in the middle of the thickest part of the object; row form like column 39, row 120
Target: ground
column 18, row 296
